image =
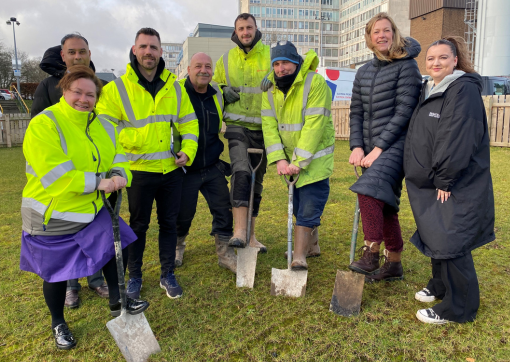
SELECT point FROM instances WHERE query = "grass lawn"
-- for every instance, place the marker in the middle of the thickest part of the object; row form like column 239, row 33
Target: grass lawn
column 215, row 321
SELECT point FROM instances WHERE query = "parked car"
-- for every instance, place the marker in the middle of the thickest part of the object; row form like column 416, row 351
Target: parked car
column 5, row 94
column 495, row 86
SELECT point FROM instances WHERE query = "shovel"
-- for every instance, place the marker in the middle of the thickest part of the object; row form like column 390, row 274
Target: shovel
column 288, row 282
column 132, row 333
column 247, row 256
column 348, row 290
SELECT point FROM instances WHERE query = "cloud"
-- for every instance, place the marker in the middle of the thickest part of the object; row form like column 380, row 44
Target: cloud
column 109, row 25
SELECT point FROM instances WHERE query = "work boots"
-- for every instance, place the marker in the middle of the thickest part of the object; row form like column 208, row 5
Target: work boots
column 391, row 269
column 302, row 237
column 179, row 250
column 313, row 247
column 254, row 243
column 227, row 257
column 368, row 264
column 240, row 215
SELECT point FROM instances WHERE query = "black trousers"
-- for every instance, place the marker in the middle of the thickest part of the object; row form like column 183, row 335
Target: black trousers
column 166, row 190
column 455, row 282
column 211, row 182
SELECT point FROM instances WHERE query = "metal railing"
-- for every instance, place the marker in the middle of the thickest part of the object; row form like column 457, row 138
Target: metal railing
column 19, row 100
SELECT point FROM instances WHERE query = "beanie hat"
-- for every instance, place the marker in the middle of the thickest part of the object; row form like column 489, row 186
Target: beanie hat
column 285, row 50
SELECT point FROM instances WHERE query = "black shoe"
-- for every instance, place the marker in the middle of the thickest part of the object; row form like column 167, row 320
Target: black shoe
column 72, row 299
column 63, row 337
column 134, row 306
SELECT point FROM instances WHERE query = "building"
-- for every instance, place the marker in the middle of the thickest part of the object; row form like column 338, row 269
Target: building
column 433, row 20
column 107, row 77
column 213, row 40
column 170, row 53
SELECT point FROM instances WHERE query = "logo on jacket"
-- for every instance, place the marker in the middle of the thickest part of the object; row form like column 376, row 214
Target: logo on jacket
column 435, row 115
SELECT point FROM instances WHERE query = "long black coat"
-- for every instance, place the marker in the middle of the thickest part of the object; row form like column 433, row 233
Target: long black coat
column 447, row 148
column 384, row 96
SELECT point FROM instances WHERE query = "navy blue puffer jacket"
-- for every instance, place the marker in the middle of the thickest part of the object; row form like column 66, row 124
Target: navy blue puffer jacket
column 384, row 96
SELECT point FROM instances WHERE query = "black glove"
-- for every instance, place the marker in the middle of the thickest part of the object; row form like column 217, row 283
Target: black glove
column 231, row 94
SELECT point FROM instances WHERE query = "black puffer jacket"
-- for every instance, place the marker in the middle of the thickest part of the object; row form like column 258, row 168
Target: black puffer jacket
column 384, row 96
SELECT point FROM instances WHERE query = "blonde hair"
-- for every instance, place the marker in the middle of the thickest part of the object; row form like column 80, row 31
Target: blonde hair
column 396, row 50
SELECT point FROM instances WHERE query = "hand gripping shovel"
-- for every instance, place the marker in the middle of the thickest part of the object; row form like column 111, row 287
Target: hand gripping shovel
column 247, row 256
column 348, row 290
column 132, row 333
column 288, row 282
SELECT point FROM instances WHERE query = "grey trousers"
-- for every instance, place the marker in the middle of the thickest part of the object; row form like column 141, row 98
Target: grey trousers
column 94, row 280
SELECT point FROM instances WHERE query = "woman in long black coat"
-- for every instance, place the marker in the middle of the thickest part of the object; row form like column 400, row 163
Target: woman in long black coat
column 384, row 95
column 447, row 169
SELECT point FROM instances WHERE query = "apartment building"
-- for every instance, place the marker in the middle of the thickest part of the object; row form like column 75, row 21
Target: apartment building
column 170, row 53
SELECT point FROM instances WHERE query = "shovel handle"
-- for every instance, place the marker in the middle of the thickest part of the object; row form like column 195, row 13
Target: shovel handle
column 259, row 151
column 255, row 151
column 290, row 207
column 355, row 224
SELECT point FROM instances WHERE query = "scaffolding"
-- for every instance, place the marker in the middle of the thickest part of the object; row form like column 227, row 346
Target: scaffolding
column 470, row 20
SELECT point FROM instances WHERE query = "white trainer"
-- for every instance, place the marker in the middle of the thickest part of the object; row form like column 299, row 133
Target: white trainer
column 429, row 316
column 424, row 295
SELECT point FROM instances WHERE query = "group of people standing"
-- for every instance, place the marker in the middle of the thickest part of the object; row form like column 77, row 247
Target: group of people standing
column 159, row 137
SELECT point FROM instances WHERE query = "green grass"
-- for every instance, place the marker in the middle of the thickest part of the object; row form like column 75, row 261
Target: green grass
column 215, row 321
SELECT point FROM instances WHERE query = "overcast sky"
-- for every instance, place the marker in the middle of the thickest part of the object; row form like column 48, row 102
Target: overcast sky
column 109, row 25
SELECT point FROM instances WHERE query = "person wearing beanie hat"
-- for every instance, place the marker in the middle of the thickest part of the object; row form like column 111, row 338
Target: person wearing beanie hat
column 300, row 138
column 239, row 73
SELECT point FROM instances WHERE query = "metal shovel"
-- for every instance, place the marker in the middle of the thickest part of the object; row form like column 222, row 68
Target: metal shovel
column 289, row 282
column 132, row 333
column 247, row 256
column 348, row 290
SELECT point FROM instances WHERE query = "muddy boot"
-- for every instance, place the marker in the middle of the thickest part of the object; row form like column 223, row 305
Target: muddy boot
column 254, row 243
column 368, row 264
column 313, row 249
column 179, row 250
column 391, row 269
column 227, row 257
column 302, row 236
column 240, row 215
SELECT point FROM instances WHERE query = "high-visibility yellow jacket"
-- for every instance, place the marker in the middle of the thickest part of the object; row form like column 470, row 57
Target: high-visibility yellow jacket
column 65, row 164
column 235, row 68
column 144, row 123
column 298, row 127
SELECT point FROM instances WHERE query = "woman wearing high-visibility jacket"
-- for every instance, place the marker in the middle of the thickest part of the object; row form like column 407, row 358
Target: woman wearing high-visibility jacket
column 297, row 127
column 71, row 156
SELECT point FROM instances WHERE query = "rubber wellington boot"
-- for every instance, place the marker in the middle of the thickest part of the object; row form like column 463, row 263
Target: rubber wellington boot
column 240, row 215
column 302, row 236
column 179, row 250
column 254, row 243
column 391, row 269
column 368, row 264
column 227, row 257
column 313, row 249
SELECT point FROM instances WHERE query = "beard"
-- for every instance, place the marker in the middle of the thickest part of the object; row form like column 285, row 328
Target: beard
column 148, row 63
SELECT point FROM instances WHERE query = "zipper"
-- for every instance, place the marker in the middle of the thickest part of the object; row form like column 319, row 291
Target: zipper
column 206, row 121
column 87, row 133
column 44, row 215
column 371, row 116
column 95, row 208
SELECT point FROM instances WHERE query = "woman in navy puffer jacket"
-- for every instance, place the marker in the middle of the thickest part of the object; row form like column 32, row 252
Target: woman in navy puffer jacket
column 384, row 95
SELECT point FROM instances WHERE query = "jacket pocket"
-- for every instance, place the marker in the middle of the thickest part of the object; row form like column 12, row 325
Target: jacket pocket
column 131, row 139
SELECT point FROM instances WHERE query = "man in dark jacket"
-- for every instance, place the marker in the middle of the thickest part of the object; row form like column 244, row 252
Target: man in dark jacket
column 74, row 50
column 207, row 173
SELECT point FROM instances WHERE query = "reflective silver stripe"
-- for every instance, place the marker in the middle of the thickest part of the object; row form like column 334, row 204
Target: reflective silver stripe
column 290, row 127
column 118, row 170
column 119, row 158
column 271, row 103
column 188, row 118
column 303, row 153
column 219, row 97
column 90, row 183
column 51, row 116
column 57, row 172
column 149, row 156
column 273, row 148
column 110, row 118
column 225, row 65
column 110, row 129
column 239, row 117
column 253, row 90
column 139, row 123
column 306, row 91
column 125, row 99
column 189, row 136
column 267, row 113
column 178, row 95
column 30, row 170
column 30, row 203
column 318, row 111
column 310, row 156
column 67, row 216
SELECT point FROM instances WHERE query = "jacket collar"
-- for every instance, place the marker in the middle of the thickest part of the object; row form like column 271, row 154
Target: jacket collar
column 79, row 118
column 132, row 75
column 190, row 89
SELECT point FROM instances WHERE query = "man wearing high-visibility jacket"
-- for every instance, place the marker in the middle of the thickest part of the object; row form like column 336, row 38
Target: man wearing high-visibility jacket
column 300, row 138
column 152, row 112
column 240, row 72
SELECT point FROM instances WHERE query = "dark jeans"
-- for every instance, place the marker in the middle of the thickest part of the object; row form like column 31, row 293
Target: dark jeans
column 95, row 280
column 309, row 202
column 455, row 282
column 211, row 182
column 239, row 140
column 166, row 190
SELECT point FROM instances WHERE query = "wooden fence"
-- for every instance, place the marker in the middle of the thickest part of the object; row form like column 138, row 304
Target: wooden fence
column 13, row 126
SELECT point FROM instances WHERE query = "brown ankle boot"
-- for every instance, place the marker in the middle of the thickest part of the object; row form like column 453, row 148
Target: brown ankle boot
column 254, row 243
column 313, row 249
column 179, row 250
column 227, row 257
column 391, row 269
column 240, row 215
column 302, row 236
column 368, row 264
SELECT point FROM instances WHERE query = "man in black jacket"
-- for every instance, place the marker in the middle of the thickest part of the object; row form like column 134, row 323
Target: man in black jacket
column 74, row 50
column 207, row 173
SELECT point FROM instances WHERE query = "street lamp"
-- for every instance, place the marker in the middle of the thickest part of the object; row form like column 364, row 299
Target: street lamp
column 9, row 22
column 321, row 18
